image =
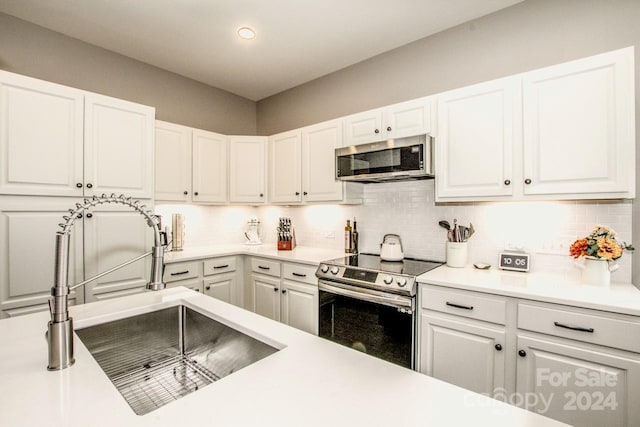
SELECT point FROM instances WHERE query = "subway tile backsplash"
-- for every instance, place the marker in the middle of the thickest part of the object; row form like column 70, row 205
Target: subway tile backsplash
column 544, row 229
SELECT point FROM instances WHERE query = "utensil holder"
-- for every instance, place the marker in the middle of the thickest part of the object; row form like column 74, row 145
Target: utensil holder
column 457, row 254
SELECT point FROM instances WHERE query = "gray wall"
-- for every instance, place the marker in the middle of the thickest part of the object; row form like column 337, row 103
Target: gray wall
column 34, row 51
column 529, row 35
column 526, row 36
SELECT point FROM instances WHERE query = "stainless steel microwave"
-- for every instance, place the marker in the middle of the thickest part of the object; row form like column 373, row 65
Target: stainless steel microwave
column 391, row 160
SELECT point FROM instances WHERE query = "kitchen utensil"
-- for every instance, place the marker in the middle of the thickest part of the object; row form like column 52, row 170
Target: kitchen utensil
column 177, row 232
column 391, row 248
column 445, row 224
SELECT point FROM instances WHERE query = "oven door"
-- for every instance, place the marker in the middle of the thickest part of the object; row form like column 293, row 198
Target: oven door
column 376, row 323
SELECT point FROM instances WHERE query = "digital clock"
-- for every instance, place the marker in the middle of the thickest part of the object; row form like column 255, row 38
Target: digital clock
column 514, row 261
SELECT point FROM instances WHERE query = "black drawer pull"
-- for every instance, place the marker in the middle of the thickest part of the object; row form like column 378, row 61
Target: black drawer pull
column 465, row 307
column 299, row 275
column 180, row 273
column 221, row 266
column 573, row 328
column 262, row 267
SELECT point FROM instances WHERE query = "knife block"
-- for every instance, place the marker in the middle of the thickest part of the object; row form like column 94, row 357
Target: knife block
column 288, row 245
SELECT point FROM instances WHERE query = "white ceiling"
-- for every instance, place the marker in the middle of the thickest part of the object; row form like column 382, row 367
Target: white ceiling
column 297, row 40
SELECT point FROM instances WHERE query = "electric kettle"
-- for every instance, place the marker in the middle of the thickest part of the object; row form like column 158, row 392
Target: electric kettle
column 391, row 248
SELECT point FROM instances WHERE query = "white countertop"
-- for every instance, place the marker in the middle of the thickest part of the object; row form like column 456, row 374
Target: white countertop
column 301, row 254
column 310, row 382
column 621, row 298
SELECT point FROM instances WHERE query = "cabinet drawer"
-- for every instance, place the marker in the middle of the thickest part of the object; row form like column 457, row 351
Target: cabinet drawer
column 181, row 271
column 584, row 325
column 263, row 266
column 219, row 265
column 463, row 303
column 300, row 273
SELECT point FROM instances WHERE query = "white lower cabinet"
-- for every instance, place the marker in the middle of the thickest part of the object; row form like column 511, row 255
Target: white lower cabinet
column 463, row 352
column 579, row 384
column 292, row 299
column 221, row 287
column 575, row 365
column 266, row 296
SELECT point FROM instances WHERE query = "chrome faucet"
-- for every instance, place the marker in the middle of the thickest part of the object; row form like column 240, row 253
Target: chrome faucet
column 60, row 330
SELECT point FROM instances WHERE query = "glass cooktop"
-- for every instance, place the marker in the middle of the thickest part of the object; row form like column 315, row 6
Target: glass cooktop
column 365, row 261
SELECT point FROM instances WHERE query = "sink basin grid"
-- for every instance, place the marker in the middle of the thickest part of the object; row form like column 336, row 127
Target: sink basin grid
column 161, row 356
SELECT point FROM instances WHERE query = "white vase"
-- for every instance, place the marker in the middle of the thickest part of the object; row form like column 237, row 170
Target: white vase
column 596, row 271
column 457, row 254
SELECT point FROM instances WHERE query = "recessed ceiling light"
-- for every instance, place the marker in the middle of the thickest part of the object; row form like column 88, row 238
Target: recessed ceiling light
column 246, row 33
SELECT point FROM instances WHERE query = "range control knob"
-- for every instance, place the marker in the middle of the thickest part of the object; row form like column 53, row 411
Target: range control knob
column 388, row 280
column 324, row 268
column 402, row 282
column 334, row 270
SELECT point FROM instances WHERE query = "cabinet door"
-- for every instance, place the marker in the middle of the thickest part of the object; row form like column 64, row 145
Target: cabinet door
column 586, row 386
column 28, row 227
column 300, row 306
column 113, row 236
column 40, row 137
column 319, row 162
column 407, row 118
column 222, row 287
column 118, row 147
column 363, row 127
column 284, row 167
column 173, row 162
column 475, row 138
column 469, row 355
column 246, row 169
column 209, row 167
column 579, row 134
column 266, row 296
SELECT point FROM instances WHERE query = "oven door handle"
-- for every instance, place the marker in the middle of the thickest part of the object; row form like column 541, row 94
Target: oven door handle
column 367, row 295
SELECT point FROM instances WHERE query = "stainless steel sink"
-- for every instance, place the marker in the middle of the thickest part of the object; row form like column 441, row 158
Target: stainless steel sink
column 158, row 357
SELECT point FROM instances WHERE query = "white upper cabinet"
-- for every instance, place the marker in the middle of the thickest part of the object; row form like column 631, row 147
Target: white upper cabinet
column 318, row 162
column 475, row 139
column 118, row 151
column 579, row 132
column 41, row 137
column 247, row 162
column 209, row 167
column 394, row 121
column 173, row 162
column 561, row 132
column 285, row 167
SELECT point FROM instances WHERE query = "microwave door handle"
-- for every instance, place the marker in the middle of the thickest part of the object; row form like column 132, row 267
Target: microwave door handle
column 366, row 295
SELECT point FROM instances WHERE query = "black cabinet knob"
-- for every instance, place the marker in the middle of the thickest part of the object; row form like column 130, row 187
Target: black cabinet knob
column 275, row 289
column 522, row 353
column 304, row 193
column 89, row 185
column 79, row 216
column 388, row 128
column 377, row 131
column 507, row 182
column 284, row 291
column 185, row 193
column 79, row 185
column 261, row 195
column 208, row 288
column 527, row 181
column 89, row 215
column 297, row 193
column 195, row 194
column 498, row 347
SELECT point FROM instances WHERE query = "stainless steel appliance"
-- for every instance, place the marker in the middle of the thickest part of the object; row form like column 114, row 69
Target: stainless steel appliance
column 390, row 160
column 370, row 304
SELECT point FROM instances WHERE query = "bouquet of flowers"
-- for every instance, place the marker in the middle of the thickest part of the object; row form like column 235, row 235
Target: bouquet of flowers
column 600, row 244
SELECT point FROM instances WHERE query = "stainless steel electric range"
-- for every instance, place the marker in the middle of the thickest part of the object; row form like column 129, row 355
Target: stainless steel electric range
column 369, row 304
